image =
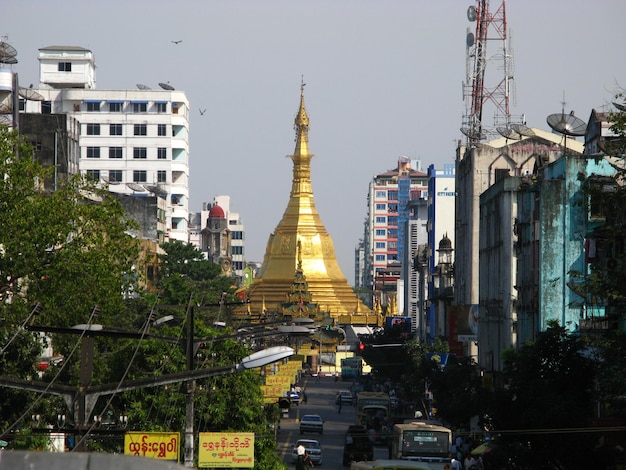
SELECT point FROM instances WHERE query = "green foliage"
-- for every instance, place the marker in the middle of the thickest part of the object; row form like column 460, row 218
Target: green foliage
column 549, row 392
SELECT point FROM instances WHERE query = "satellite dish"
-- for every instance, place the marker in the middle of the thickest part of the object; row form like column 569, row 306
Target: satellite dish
column 6, row 121
column 29, row 94
column 108, row 180
column 155, row 189
column 143, row 87
column 166, row 86
column 136, row 187
column 469, row 40
column 508, row 133
column 6, row 108
column 7, row 53
column 471, row 13
column 294, row 329
column 567, row 124
column 522, row 129
column 620, row 106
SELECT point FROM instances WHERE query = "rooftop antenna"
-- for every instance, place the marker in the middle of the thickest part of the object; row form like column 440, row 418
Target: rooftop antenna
column 620, row 106
column 143, row 87
column 109, row 181
column 167, row 86
column 566, row 124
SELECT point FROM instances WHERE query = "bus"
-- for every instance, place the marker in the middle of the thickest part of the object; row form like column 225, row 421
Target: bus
column 422, row 441
column 351, row 368
column 391, row 465
column 372, row 409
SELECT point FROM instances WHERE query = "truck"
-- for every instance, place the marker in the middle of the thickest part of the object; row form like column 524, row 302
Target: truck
column 351, row 368
column 357, row 445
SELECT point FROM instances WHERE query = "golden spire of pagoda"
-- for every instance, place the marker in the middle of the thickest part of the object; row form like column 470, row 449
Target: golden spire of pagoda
column 301, row 242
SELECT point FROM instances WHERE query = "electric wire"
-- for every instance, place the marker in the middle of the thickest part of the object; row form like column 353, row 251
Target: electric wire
column 144, row 332
column 66, row 361
column 36, row 309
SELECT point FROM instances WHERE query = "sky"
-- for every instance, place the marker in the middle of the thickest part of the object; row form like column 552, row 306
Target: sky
column 383, row 80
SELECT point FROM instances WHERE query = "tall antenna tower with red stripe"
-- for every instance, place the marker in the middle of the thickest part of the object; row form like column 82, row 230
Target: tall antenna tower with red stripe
column 481, row 88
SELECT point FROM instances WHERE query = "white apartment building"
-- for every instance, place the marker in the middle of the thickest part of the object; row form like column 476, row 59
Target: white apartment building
column 135, row 141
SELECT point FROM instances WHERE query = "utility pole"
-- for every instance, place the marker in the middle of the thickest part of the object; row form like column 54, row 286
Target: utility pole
column 189, row 398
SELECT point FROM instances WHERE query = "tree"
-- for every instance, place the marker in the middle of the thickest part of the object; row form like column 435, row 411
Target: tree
column 546, row 405
column 66, row 250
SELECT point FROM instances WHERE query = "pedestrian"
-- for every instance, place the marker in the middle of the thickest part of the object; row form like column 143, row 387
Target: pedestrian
column 339, row 405
column 300, row 463
column 304, row 397
column 455, row 464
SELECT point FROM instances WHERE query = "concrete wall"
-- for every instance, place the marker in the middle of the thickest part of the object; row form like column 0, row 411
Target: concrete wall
column 28, row 460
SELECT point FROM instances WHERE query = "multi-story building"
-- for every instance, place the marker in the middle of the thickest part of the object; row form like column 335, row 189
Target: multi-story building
column 135, row 141
column 441, row 203
column 478, row 167
column 392, row 206
column 221, row 236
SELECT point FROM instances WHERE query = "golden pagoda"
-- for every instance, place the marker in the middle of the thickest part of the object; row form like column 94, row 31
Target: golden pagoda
column 300, row 242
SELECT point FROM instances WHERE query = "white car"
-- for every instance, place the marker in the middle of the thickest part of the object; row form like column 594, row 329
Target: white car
column 311, row 423
column 311, row 447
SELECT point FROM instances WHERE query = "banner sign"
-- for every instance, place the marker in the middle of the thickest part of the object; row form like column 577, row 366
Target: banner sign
column 226, row 450
column 155, row 445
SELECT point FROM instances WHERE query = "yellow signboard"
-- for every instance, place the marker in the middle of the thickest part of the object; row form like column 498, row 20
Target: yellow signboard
column 226, row 450
column 155, row 445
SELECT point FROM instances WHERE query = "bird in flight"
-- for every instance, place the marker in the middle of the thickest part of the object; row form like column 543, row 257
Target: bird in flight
column 202, row 111
column 177, row 42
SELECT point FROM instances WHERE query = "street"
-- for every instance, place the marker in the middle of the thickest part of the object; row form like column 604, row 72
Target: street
column 321, row 401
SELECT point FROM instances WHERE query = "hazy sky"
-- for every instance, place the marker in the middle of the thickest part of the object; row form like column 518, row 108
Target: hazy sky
column 383, row 80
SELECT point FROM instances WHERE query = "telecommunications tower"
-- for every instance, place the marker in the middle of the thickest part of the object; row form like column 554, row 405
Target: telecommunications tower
column 481, row 88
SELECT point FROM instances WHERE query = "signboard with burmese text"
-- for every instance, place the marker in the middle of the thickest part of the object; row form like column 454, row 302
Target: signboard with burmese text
column 226, row 450
column 155, row 445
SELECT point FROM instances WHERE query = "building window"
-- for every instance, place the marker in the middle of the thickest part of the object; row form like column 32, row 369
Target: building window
column 93, row 175
column 93, row 129
column 236, row 250
column 162, row 153
column 161, row 129
column 22, row 104
column 115, row 129
column 161, row 108
column 393, row 233
column 380, row 245
column 381, row 194
column 115, row 152
column 115, row 107
column 380, row 232
column 139, row 176
column 237, row 235
column 381, row 219
column 140, row 107
column 115, row 176
column 140, row 152
column 393, row 208
column 140, row 129
column 46, row 107
column 381, row 207
column 392, row 195
column 65, row 66
column 380, row 257
column 93, row 152
column 161, row 176
column 93, row 106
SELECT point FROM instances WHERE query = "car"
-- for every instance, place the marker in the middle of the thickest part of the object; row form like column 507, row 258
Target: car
column 345, row 397
column 312, row 447
column 294, row 398
column 311, row 423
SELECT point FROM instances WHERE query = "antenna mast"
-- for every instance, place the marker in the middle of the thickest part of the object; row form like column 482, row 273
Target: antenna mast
column 476, row 93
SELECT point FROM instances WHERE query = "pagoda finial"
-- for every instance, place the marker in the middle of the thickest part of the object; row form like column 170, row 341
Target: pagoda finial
column 301, row 125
